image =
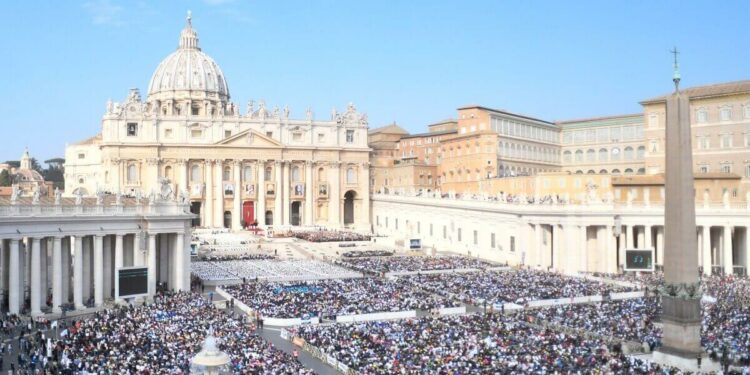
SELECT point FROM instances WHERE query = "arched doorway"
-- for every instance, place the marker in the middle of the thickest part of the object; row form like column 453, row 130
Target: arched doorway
column 227, row 219
column 248, row 212
column 349, row 207
column 269, row 217
column 295, row 212
column 195, row 208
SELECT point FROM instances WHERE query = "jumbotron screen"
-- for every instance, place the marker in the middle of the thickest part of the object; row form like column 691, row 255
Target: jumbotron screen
column 133, row 281
column 639, row 260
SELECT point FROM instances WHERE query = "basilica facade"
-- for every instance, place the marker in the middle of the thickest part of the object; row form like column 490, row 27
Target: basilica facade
column 237, row 169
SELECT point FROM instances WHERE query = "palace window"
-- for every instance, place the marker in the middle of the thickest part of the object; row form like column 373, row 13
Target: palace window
column 701, row 116
column 567, row 156
column 703, row 169
column 725, row 114
column 579, row 155
column 641, row 153
column 603, row 154
column 726, row 141
column 628, row 153
column 747, row 111
column 726, row 168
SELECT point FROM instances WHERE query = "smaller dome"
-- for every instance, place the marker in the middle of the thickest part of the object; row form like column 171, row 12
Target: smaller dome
column 189, row 69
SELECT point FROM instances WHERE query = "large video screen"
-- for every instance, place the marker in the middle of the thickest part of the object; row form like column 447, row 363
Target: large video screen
column 639, row 260
column 133, row 282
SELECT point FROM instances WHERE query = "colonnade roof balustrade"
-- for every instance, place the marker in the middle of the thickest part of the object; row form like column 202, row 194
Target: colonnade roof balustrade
column 108, row 205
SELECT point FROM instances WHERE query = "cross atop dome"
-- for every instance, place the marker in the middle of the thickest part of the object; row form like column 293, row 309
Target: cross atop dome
column 188, row 36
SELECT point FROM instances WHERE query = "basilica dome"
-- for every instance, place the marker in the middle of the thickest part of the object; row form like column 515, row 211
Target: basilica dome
column 188, row 70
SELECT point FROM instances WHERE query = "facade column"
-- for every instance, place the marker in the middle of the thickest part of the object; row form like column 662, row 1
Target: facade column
column 286, row 202
column 309, row 193
column 57, row 274
column 14, row 278
column 277, row 214
column 115, row 175
column 118, row 264
column 236, row 205
column 726, row 258
column 364, row 196
column 334, row 195
column 260, row 202
column 219, row 192
column 78, row 273
column 184, row 173
column 151, row 264
column 98, row 270
column 706, row 250
column 208, row 209
column 178, row 250
column 34, row 273
column 660, row 245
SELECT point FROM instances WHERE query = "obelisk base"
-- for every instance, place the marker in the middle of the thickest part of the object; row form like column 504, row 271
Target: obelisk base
column 681, row 339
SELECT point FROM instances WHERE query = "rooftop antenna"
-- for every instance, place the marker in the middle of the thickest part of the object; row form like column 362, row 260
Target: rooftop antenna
column 676, row 74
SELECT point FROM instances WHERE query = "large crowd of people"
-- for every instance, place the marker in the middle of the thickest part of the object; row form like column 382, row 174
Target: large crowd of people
column 161, row 338
column 330, row 298
column 269, row 269
column 510, row 286
column 468, row 344
column 414, row 263
column 325, row 235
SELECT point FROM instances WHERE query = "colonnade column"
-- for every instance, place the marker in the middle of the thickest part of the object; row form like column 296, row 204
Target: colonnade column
column 727, row 251
column 647, row 233
column 219, row 192
column 529, row 234
column 540, row 250
column 57, row 276
column 236, row 206
column 118, row 264
column 208, row 208
column 260, row 202
column 747, row 251
column 583, row 265
column 43, row 271
column 286, row 203
column 107, row 269
column 277, row 208
column 706, row 250
column 610, row 242
column 151, row 264
column 557, row 241
column 65, row 285
column 78, row 273
column 14, row 278
column 98, row 270
column 309, row 193
column 660, row 245
column 178, row 258
column 34, row 273
column 630, row 240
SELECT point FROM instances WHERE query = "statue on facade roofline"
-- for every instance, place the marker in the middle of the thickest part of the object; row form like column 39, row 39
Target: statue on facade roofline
column 250, row 108
column 118, row 198
column 183, row 197
column 79, row 197
column 36, row 195
column 309, row 114
column 99, row 196
column 58, row 196
column 286, row 111
column 14, row 194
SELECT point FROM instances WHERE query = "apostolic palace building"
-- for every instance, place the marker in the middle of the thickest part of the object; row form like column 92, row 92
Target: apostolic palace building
column 258, row 167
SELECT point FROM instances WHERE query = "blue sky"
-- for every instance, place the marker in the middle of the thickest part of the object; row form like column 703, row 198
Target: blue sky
column 413, row 62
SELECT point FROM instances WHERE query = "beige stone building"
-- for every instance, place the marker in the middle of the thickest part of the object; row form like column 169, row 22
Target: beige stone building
column 720, row 122
column 262, row 166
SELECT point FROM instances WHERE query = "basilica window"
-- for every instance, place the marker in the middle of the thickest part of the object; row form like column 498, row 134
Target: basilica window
column 350, row 136
column 322, row 175
column 227, row 175
column 227, row 133
column 195, row 173
column 247, row 173
column 196, row 133
column 82, row 156
column 195, row 111
column 297, row 137
column 132, row 175
column 267, row 174
column 296, row 174
column 351, row 176
column 321, row 137
column 132, row 128
column 167, row 133
column 168, row 172
column 269, row 134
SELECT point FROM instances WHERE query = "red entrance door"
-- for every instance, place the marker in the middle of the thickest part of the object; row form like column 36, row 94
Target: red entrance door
column 248, row 212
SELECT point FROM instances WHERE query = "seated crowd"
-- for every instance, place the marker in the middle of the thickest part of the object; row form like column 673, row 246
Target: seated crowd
column 367, row 253
column 161, row 338
column 329, row 298
column 268, row 269
column 324, row 235
column 467, row 344
column 414, row 263
column 510, row 286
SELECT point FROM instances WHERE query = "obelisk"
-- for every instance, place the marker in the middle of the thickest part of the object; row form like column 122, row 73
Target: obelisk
column 681, row 294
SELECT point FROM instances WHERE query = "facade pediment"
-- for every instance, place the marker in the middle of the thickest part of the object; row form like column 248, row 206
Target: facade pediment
column 250, row 138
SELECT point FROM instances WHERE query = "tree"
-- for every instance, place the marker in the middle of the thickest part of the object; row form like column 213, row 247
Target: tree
column 35, row 165
column 13, row 163
column 55, row 162
column 5, row 179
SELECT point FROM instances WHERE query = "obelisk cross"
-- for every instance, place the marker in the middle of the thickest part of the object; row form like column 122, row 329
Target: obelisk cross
column 676, row 75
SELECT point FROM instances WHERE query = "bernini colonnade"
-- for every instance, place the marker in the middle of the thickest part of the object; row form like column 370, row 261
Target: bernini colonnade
column 62, row 252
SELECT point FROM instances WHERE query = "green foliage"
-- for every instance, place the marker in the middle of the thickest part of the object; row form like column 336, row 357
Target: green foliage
column 5, row 178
